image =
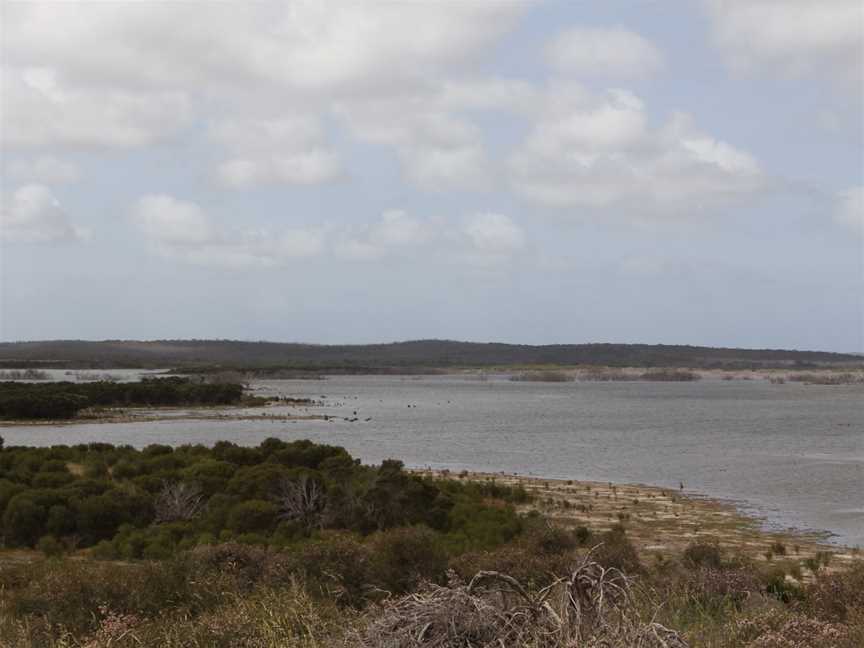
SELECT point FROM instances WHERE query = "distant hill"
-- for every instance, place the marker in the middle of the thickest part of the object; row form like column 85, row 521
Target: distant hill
column 397, row 356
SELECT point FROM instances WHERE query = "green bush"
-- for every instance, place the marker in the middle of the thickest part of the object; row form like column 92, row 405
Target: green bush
column 253, row 516
column 237, row 495
column 50, row 546
column 703, row 554
column 617, row 551
column 211, row 475
column 24, row 520
column 474, row 525
column 403, row 557
column 777, row 585
column 60, row 521
column 335, row 564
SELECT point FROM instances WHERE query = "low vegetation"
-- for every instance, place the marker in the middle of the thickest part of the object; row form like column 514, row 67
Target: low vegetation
column 63, row 400
column 297, row 544
column 606, row 374
column 131, row 504
column 670, row 375
column 828, row 378
column 548, row 375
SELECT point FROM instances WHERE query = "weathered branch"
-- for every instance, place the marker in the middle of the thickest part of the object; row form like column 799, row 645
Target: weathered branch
column 178, row 501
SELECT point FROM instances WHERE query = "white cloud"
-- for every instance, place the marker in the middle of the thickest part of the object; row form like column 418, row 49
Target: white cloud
column 488, row 93
column 477, row 239
column 44, row 169
column 38, row 111
column 173, row 222
column 32, row 214
column 494, row 233
column 123, row 75
column 794, row 37
column 849, row 209
column 287, row 150
column 149, row 70
column 182, row 229
column 438, row 149
column 396, row 232
column 603, row 52
column 593, row 151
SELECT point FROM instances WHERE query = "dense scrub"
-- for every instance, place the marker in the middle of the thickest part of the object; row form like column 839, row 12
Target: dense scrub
column 392, row 589
column 149, row 503
column 298, row 544
column 63, row 400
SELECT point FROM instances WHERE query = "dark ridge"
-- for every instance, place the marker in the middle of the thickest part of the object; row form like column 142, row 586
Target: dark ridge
column 395, row 357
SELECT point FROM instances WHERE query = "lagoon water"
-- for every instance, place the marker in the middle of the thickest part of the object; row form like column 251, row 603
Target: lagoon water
column 793, row 453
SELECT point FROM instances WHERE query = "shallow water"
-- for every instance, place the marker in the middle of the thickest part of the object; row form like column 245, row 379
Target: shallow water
column 792, row 453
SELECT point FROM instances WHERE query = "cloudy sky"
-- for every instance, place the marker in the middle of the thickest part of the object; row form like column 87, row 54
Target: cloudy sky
column 629, row 171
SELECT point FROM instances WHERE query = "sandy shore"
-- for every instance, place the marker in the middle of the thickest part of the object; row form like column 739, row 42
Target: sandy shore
column 661, row 522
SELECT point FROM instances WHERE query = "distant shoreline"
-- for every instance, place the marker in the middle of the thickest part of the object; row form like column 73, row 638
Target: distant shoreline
column 398, row 357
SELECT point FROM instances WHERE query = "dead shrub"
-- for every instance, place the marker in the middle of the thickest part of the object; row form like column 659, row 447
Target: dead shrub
column 592, row 607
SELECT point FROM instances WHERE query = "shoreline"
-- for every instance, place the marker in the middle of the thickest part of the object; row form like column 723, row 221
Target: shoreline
column 172, row 413
column 662, row 522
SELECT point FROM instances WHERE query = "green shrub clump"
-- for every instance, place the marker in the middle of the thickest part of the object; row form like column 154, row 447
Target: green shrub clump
column 153, row 502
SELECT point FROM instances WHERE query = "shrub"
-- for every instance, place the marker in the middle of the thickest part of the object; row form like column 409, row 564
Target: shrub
column 778, row 548
column 24, row 520
column 211, row 475
column 50, row 546
column 582, row 534
column 617, row 551
column 779, row 587
column 670, row 375
column 542, row 376
column 52, row 479
column 60, row 521
column 257, row 482
column 100, row 516
column 246, row 564
column 403, row 557
column 252, row 516
column 477, row 526
column 836, row 597
column 703, row 554
column 335, row 564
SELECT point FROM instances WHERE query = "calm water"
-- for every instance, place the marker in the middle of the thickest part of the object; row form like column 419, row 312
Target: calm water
column 792, row 453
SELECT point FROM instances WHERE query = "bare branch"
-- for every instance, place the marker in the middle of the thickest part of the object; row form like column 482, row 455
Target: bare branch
column 178, row 501
column 301, row 500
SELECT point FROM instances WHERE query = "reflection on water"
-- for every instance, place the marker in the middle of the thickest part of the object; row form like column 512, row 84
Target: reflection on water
column 790, row 452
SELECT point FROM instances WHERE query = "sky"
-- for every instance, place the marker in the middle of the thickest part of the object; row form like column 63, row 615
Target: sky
column 654, row 171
